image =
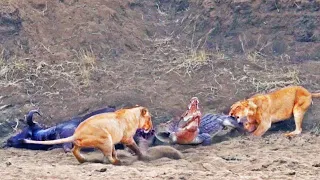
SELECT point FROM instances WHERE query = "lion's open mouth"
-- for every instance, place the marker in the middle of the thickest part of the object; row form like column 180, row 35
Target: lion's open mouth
column 144, row 134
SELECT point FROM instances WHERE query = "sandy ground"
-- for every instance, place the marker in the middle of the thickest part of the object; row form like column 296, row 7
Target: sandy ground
column 243, row 157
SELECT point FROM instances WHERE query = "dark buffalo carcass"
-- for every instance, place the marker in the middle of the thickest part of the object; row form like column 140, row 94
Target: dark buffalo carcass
column 37, row 132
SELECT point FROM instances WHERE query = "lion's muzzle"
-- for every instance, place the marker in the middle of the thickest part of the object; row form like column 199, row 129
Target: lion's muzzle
column 148, row 127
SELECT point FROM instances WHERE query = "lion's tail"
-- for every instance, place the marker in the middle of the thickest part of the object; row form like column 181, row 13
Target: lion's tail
column 57, row 141
column 315, row 95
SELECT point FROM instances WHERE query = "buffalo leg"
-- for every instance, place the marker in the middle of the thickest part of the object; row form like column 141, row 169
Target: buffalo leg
column 67, row 147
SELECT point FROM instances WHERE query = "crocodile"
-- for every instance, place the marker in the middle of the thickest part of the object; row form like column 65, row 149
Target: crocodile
column 201, row 132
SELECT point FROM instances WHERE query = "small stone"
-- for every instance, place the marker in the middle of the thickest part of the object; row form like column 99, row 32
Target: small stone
column 282, row 161
column 291, row 173
column 316, row 165
column 8, row 164
column 253, row 160
column 256, row 169
column 231, row 158
column 102, row 170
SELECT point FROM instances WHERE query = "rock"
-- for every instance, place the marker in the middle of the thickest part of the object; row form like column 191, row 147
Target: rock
column 8, row 164
column 291, row 173
column 316, row 165
column 102, row 170
column 280, row 161
column 231, row 158
column 256, row 169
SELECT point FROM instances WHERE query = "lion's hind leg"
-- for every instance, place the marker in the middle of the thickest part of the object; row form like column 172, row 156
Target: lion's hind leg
column 109, row 151
column 76, row 152
column 299, row 111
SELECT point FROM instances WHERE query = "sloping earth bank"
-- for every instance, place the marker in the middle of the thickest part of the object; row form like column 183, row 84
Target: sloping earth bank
column 70, row 57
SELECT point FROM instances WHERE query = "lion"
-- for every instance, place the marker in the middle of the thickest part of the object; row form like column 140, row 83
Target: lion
column 259, row 111
column 103, row 131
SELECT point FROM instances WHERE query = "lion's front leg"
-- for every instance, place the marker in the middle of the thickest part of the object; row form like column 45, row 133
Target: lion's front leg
column 262, row 128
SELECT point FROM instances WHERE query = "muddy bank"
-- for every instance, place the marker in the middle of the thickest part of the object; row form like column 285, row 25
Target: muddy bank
column 272, row 157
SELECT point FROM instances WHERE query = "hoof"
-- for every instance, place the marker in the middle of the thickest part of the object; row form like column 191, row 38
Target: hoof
column 67, row 150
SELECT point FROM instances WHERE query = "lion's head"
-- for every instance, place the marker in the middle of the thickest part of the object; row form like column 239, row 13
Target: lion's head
column 145, row 120
column 242, row 109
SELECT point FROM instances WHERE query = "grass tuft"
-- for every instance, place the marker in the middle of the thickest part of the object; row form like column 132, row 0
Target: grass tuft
column 87, row 64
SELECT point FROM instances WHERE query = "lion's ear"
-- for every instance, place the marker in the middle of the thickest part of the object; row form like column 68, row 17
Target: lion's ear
column 144, row 111
column 252, row 104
